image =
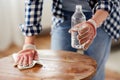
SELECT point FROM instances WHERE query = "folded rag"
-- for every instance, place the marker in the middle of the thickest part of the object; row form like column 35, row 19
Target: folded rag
column 24, row 67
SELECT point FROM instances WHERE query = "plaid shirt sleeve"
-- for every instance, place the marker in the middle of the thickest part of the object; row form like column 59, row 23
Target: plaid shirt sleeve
column 103, row 4
column 112, row 24
column 33, row 12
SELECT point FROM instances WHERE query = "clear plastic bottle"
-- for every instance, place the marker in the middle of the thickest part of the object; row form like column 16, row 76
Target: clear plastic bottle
column 77, row 17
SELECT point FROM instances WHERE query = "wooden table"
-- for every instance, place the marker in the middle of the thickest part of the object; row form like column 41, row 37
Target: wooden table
column 56, row 65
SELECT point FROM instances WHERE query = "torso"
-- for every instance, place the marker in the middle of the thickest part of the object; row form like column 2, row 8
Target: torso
column 69, row 5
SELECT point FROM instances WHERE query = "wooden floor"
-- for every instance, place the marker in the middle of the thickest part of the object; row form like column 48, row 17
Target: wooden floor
column 43, row 42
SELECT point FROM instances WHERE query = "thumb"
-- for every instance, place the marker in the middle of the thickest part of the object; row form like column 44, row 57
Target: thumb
column 69, row 31
column 73, row 29
column 36, row 56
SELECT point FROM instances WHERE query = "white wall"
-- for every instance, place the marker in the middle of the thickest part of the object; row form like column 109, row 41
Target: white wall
column 11, row 15
column 46, row 17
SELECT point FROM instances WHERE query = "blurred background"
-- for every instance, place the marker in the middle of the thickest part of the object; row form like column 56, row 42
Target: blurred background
column 11, row 38
column 11, row 15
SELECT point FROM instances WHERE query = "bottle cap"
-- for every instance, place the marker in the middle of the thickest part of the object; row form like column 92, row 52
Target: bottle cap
column 78, row 7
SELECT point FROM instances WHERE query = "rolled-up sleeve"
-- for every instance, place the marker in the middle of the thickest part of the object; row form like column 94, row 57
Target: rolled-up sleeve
column 112, row 24
column 103, row 4
column 33, row 13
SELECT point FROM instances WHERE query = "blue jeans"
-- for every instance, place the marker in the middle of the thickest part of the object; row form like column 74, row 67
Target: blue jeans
column 98, row 50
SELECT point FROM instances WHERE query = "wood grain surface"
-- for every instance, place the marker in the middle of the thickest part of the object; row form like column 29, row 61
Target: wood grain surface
column 56, row 65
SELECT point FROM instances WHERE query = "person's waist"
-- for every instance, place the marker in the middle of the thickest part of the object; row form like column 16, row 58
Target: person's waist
column 68, row 14
column 71, row 10
column 71, row 5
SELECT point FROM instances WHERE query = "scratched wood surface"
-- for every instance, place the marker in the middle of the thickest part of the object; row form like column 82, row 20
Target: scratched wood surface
column 56, row 65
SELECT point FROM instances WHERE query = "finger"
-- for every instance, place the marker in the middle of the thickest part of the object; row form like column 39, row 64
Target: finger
column 80, row 36
column 69, row 31
column 88, row 43
column 21, row 61
column 80, row 24
column 18, row 59
column 76, row 27
column 25, row 62
column 30, row 58
column 83, row 30
column 85, row 37
column 84, row 40
column 36, row 56
column 73, row 30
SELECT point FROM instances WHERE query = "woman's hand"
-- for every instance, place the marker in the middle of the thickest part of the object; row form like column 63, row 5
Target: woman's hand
column 86, row 33
column 29, row 53
column 26, row 57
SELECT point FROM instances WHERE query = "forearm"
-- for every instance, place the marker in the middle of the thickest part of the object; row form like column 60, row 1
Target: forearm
column 33, row 13
column 99, row 16
column 30, row 40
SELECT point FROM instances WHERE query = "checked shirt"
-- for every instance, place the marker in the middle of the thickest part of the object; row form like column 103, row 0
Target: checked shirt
column 33, row 13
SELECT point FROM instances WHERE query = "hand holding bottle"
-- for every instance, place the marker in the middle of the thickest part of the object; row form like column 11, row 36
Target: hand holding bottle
column 86, row 34
column 82, row 32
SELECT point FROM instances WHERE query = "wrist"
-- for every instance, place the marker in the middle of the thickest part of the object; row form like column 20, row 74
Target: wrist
column 100, row 16
column 29, row 39
column 29, row 46
column 93, row 23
